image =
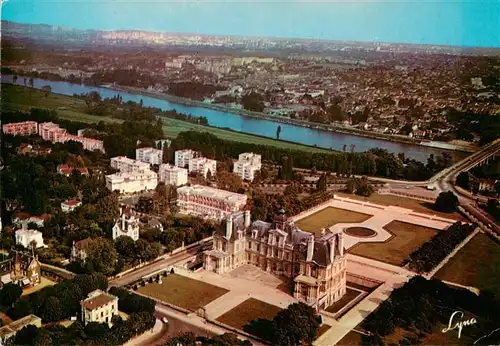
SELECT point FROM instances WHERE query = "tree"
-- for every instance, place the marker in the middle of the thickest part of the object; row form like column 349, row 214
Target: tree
column 296, row 325
column 10, row 294
column 107, row 209
column 47, row 89
column 145, row 204
column 463, row 180
column 229, row 181
column 446, row 202
column 101, row 256
column 51, row 310
column 125, row 246
column 26, row 336
column 253, row 102
column 31, row 82
column 321, row 184
column 14, row 79
column 278, row 132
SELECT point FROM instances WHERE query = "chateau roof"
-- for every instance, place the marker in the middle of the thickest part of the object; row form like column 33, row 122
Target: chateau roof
column 97, row 299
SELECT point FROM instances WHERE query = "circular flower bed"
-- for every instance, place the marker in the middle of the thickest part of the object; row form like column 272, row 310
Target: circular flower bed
column 360, row 232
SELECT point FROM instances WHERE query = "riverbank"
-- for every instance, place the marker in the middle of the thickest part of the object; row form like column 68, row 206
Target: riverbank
column 285, row 120
column 21, row 98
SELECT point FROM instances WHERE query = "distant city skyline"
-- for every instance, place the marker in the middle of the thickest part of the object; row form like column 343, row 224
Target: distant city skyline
column 447, row 22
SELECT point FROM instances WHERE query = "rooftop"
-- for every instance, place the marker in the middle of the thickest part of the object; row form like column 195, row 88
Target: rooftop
column 210, row 192
column 97, row 299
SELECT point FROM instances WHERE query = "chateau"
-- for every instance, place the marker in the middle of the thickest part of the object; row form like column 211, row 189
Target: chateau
column 317, row 265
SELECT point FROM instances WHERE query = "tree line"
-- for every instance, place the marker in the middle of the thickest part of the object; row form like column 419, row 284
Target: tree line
column 375, row 162
column 421, row 305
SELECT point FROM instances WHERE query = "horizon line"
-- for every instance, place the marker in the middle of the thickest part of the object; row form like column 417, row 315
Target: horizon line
column 269, row 37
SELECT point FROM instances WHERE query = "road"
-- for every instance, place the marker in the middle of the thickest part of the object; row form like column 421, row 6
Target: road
column 151, row 268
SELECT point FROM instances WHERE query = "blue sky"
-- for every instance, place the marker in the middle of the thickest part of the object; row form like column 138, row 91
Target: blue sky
column 459, row 22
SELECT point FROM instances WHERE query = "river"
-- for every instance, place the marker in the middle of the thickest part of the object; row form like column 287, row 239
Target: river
column 252, row 125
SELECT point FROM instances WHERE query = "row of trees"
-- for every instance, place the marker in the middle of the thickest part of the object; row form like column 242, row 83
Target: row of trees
column 375, row 162
column 430, row 254
column 421, row 305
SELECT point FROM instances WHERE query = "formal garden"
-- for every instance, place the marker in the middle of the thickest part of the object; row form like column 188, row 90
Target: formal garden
column 328, row 217
column 406, row 238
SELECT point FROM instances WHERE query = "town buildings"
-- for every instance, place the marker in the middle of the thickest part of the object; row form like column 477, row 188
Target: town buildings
column 79, row 249
column 209, row 202
column 26, row 237
column 10, row 330
column 202, row 166
column 53, row 133
column 172, row 175
column 182, row 157
column 25, row 128
column 247, row 165
column 126, row 225
column 134, row 176
column 149, row 155
column 316, row 264
column 126, row 165
column 132, row 182
column 70, row 205
column 26, row 270
column 99, row 307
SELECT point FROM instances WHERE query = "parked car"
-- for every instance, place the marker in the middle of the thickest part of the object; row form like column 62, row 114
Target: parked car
column 164, row 319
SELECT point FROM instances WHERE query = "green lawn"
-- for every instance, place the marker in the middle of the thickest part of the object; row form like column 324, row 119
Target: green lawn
column 349, row 296
column 251, row 309
column 477, row 264
column 183, row 292
column 407, row 238
column 328, row 217
column 71, row 108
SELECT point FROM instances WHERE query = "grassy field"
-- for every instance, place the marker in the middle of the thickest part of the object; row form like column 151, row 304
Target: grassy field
column 251, row 309
column 349, row 296
column 477, row 264
column 44, row 283
column 328, row 217
column 183, row 292
column 409, row 203
column 351, row 338
column 71, row 108
column 406, row 238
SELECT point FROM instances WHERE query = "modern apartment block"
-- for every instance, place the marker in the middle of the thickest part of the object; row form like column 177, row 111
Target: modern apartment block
column 53, row 133
column 149, row 155
column 209, row 202
column 130, row 182
column 202, row 166
column 24, row 128
column 247, row 165
column 182, row 157
column 173, row 175
column 126, row 165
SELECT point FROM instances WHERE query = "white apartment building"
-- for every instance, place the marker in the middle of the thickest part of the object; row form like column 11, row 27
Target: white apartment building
column 247, row 165
column 99, row 307
column 126, row 165
column 149, row 155
column 24, row 128
column 25, row 237
column 209, row 202
column 182, row 157
column 130, row 182
column 202, row 165
column 127, row 225
column 173, row 175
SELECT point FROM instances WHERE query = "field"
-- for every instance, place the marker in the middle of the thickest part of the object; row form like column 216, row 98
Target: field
column 44, row 283
column 328, row 217
column 351, row 338
column 183, row 292
column 71, row 108
column 476, row 264
column 349, row 296
column 406, row 238
column 409, row 203
column 251, row 309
